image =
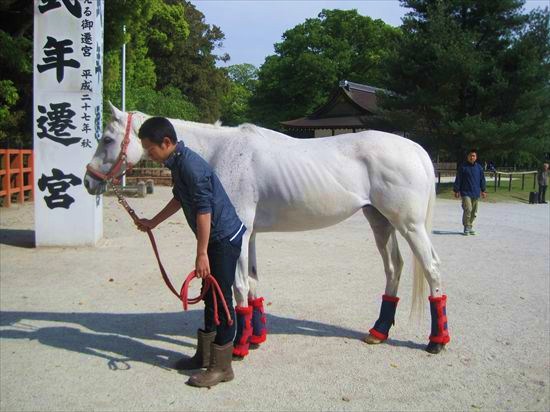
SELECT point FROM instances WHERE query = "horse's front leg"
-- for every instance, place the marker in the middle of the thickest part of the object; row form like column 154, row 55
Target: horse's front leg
column 259, row 319
column 241, row 286
column 243, row 311
column 251, row 319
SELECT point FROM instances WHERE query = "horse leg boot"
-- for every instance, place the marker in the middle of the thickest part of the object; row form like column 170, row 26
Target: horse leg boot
column 244, row 331
column 381, row 329
column 259, row 322
column 219, row 369
column 439, row 336
column 201, row 358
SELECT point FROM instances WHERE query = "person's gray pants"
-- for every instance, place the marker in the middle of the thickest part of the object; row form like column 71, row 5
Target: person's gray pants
column 469, row 206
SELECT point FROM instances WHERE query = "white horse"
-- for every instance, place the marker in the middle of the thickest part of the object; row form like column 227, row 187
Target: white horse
column 279, row 183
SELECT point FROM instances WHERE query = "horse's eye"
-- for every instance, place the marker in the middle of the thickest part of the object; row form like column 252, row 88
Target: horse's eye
column 108, row 140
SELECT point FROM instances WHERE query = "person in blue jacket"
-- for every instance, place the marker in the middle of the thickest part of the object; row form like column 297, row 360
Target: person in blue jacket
column 470, row 185
column 218, row 230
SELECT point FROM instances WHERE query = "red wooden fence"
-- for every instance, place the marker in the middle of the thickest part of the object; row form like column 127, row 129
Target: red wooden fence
column 16, row 176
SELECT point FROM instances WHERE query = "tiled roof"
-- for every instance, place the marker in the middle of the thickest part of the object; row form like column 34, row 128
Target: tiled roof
column 349, row 106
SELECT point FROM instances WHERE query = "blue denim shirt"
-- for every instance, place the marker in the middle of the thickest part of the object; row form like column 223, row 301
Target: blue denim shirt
column 470, row 180
column 199, row 190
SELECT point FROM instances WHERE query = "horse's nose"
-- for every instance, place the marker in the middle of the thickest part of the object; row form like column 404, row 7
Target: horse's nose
column 89, row 185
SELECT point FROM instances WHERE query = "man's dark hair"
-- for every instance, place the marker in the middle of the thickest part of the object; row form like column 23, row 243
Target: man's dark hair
column 472, row 151
column 156, row 129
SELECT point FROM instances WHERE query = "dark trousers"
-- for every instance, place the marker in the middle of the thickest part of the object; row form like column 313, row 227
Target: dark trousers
column 542, row 193
column 223, row 256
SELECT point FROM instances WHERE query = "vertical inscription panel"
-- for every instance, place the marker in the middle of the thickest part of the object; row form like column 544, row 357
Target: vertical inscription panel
column 68, row 73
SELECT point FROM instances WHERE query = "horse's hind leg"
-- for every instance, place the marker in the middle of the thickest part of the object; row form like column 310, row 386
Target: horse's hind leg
column 259, row 320
column 421, row 245
column 386, row 241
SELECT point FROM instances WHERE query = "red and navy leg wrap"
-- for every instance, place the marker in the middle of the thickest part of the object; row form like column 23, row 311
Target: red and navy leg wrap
column 386, row 319
column 244, row 331
column 259, row 321
column 438, row 309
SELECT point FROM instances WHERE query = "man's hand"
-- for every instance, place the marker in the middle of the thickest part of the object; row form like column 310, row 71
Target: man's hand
column 145, row 224
column 483, row 195
column 202, row 266
column 457, row 195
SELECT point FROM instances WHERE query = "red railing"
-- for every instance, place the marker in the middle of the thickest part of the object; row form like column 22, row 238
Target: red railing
column 16, row 176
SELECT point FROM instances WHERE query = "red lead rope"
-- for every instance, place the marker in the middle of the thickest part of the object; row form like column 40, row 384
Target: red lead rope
column 209, row 282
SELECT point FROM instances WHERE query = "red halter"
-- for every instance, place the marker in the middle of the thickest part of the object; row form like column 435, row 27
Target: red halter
column 114, row 172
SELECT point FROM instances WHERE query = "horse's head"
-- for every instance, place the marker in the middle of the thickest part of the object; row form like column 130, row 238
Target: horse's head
column 118, row 149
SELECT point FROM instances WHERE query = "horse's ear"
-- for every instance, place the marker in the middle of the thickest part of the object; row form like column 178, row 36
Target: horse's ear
column 115, row 113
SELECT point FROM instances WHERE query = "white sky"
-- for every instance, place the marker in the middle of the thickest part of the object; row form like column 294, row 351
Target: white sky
column 251, row 27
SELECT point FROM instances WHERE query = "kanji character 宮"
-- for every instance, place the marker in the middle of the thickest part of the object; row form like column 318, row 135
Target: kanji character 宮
column 57, row 184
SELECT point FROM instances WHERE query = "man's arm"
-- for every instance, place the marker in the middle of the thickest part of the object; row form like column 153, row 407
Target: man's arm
column 172, row 207
column 458, row 182
column 197, row 176
column 202, row 264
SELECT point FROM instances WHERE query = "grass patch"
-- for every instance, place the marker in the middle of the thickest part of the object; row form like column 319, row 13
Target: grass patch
column 445, row 191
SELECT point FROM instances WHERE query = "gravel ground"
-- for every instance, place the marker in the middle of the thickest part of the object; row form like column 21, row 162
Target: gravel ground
column 96, row 329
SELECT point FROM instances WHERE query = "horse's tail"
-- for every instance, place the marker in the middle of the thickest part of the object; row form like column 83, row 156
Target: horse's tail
column 420, row 294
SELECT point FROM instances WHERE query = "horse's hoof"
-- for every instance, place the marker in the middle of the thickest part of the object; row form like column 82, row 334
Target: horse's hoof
column 434, row 348
column 254, row 346
column 237, row 358
column 371, row 340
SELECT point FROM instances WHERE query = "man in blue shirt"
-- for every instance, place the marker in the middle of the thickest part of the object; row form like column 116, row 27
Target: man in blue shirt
column 470, row 184
column 214, row 221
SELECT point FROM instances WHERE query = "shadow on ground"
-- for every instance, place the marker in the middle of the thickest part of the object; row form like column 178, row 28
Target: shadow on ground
column 118, row 338
column 18, row 238
column 446, row 232
column 521, row 199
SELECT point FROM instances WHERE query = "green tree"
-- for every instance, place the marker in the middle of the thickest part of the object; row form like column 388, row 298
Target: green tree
column 245, row 74
column 313, row 57
column 190, row 65
column 236, row 102
column 471, row 74
column 168, row 102
column 152, row 27
column 16, row 78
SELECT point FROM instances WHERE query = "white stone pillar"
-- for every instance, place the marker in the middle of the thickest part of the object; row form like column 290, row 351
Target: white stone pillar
column 68, row 86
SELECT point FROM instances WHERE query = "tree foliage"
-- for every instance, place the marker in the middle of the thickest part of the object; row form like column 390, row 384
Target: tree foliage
column 170, row 53
column 16, row 79
column 236, row 102
column 313, row 57
column 190, row 65
column 152, row 27
column 471, row 74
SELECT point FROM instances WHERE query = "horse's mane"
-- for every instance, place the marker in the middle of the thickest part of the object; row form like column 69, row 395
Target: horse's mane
column 248, row 129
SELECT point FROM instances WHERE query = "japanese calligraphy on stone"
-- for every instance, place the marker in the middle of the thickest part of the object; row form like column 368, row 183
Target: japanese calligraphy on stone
column 53, row 124
column 55, row 52
column 57, row 184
